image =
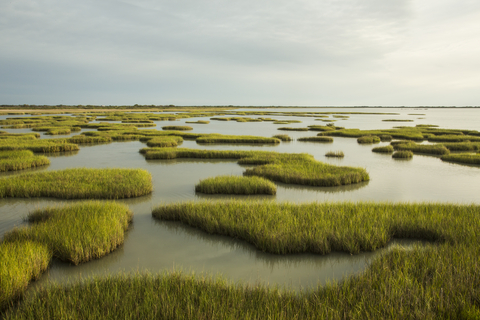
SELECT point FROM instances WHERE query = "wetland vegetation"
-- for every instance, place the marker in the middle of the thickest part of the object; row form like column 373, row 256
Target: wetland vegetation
column 335, row 154
column 465, row 158
column 236, row 185
column 21, row 159
column 78, row 183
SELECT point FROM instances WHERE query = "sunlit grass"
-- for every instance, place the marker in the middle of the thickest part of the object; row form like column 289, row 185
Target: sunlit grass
column 180, row 128
column 335, row 154
column 236, row 185
column 384, row 149
column 20, row 159
column 316, row 139
column 465, row 158
column 368, row 139
column 283, row 137
column 402, row 155
column 78, row 184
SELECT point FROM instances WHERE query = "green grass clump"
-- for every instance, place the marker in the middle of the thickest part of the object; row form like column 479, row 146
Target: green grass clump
column 180, row 128
column 37, row 145
column 436, row 149
column 76, row 233
column 220, row 138
column 292, row 129
column 385, row 137
column 300, row 169
column 397, row 120
column 462, row 146
column 283, row 137
column 368, row 139
column 20, row 263
column 165, row 141
column 199, row 122
column 335, row 154
column 466, row 158
column 79, row 183
column 236, row 185
column 20, row 159
column 316, row 139
column 402, row 155
column 321, row 128
column 453, row 138
column 83, row 139
column 325, row 227
column 385, row 149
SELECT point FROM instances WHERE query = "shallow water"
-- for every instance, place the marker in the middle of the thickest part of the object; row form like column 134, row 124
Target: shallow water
column 157, row 245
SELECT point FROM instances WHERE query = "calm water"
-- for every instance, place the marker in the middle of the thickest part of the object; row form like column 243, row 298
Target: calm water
column 161, row 246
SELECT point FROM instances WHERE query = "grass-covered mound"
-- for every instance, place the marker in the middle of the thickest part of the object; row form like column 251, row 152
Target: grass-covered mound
column 165, row 141
column 316, row 139
column 292, row 128
column 180, row 128
column 78, row 183
column 465, row 158
column 335, row 154
column 76, row 233
column 436, row 149
column 325, row 227
column 236, row 185
column 404, row 154
column 368, row 139
column 20, row 159
column 20, row 262
column 37, row 145
column 300, row 169
column 221, row 138
column 199, row 122
column 283, row 137
column 384, row 149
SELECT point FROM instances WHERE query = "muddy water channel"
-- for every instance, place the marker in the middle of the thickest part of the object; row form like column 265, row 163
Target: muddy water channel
column 158, row 246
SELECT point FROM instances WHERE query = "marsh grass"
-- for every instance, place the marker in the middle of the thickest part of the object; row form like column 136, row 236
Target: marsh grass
column 300, row 169
column 79, row 183
column 20, row 263
column 283, row 137
column 199, row 122
column 436, row 149
column 220, row 138
column 179, row 128
column 453, row 138
column 368, row 139
column 462, row 146
column 292, row 129
column 37, row 145
column 165, row 141
column 20, row 159
column 403, row 154
column 397, row 120
column 465, row 158
column 76, row 233
column 316, row 139
column 335, row 154
column 236, row 185
column 385, row 149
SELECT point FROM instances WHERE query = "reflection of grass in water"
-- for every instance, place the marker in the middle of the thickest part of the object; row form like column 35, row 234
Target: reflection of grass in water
column 467, row 158
column 335, row 154
column 282, row 167
column 78, row 184
column 20, row 159
column 236, row 185
column 402, row 155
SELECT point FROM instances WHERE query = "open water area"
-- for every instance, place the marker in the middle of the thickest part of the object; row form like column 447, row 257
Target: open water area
column 159, row 246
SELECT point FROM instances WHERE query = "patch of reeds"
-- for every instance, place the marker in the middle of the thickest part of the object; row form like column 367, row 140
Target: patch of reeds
column 236, row 185
column 462, row 146
column 292, row 129
column 20, row 263
column 385, row 137
column 300, row 169
column 79, row 183
column 199, row 122
column 316, row 139
column 21, row 159
column 179, row 128
column 165, row 141
column 220, row 138
column 37, row 145
column 76, row 233
column 403, row 155
column 453, row 138
column 283, row 137
column 436, row 149
column 325, row 227
column 368, row 139
column 466, row 158
column 83, row 139
column 397, row 120
column 384, row 149
column 335, row 154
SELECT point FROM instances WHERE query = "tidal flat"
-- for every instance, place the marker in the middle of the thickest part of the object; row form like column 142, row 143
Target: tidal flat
column 162, row 256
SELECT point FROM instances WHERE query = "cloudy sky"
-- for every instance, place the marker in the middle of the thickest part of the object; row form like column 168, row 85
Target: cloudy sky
column 249, row 52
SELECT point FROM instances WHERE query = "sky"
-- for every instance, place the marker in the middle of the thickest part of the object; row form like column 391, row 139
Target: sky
column 249, row 52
